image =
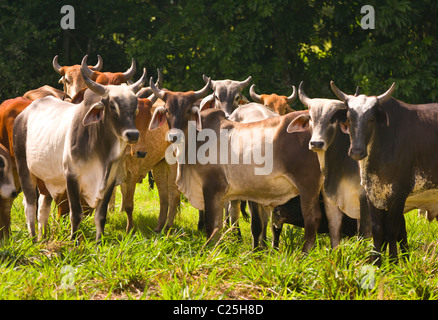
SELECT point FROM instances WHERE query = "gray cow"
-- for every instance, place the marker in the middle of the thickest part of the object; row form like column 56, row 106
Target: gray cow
column 75, row 148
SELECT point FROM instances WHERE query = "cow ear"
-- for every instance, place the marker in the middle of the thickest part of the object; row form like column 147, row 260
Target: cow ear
column 3, row 162
column 196, row 116
column 95, row 114
column 344, row 126
column 299, row 124
column 382, row 117
column 158, row 118
column 207, row 102
column 243, row 99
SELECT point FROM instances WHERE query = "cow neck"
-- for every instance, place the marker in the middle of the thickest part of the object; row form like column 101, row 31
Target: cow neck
column 337, row 164
column 99, row 139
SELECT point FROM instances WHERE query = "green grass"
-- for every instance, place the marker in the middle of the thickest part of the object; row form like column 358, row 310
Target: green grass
column 178, row 265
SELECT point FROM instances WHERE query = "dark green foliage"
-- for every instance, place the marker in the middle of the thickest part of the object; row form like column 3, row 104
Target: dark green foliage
column 277, row 42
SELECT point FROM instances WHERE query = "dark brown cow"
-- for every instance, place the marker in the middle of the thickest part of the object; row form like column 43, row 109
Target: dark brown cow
column 396, row 146
column 293, row 169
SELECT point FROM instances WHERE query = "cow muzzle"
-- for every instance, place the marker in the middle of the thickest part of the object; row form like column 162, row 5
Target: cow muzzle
column 131, row 136
column 318, row 145
column 357, row 153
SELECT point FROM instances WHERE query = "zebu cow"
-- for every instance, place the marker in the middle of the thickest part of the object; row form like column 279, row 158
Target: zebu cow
column 293, row 169
column 74, row 82
column 71, row 77
column 137, row 165
column 9, row 110
column 75, row 148
column 45, row 91
column 227, row 94
column 8, row 191
column 280, row 104
column 396, row 146
column 342, row 186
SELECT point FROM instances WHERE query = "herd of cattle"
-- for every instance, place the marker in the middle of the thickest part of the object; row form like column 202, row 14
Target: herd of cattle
column 348, row 166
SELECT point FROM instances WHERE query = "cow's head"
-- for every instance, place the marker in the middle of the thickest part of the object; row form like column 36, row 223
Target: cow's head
column 364, row 113
column 279, row 104
column 73, row 81
column 227, row 95
column 71, row 77
column 7, row 183
column 115, row 78
column 323, row 118
column 117, row 106
column 178, row 110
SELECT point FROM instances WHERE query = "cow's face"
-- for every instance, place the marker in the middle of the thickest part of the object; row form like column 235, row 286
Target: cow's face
column 323, row 118
column 71, row 77
column 279, row 104
column 7, row 184
column 227, row 95
column 120, row 109
column 117, row 107
column 178, row 110
column 364, row 114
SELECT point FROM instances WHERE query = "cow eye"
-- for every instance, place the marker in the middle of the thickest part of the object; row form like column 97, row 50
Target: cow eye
column 112, row 106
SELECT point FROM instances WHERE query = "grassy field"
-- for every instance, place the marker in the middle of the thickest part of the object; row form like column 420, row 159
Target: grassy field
column 177, row 265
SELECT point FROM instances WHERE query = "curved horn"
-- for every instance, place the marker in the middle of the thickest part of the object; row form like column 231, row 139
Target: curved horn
column 93, row 86
column 128, row 74
column 203, row 92
column 342, row 96
column 99, row 64
column 85, row 69
column 140, row 83
column 293, row 96
column 152, row 98
column 56, row 65
column 159, row 83
column 357, row 91
column 243, row 84
column 158, row 92
column 383, row 97
column 303, row 98
column 253, row 94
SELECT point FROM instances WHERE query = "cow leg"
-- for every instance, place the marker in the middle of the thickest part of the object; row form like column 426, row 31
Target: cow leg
column 265, row 213
column 378, row 222
column 256, row 223
column 364, row 223
column 173, row 195
column 394, row 226
column 5, row 218
column 403, row 238
column 101, row 211
column 213, row 212
column 160, row 178
column 44, row 205
column 76, row 213
column 334, row 217
column 234, row 213
column 201, row 220
column 127, row 189
column 312, row 216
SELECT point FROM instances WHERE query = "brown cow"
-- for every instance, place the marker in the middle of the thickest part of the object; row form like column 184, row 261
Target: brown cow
column 208, row 184
column 279, row 104
column 73, row 81
column 137, row 165
column 45, row 91
column 9, row 110
column 71, row 75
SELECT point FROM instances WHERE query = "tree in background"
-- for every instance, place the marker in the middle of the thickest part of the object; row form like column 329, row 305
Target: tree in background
column 277, row 42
